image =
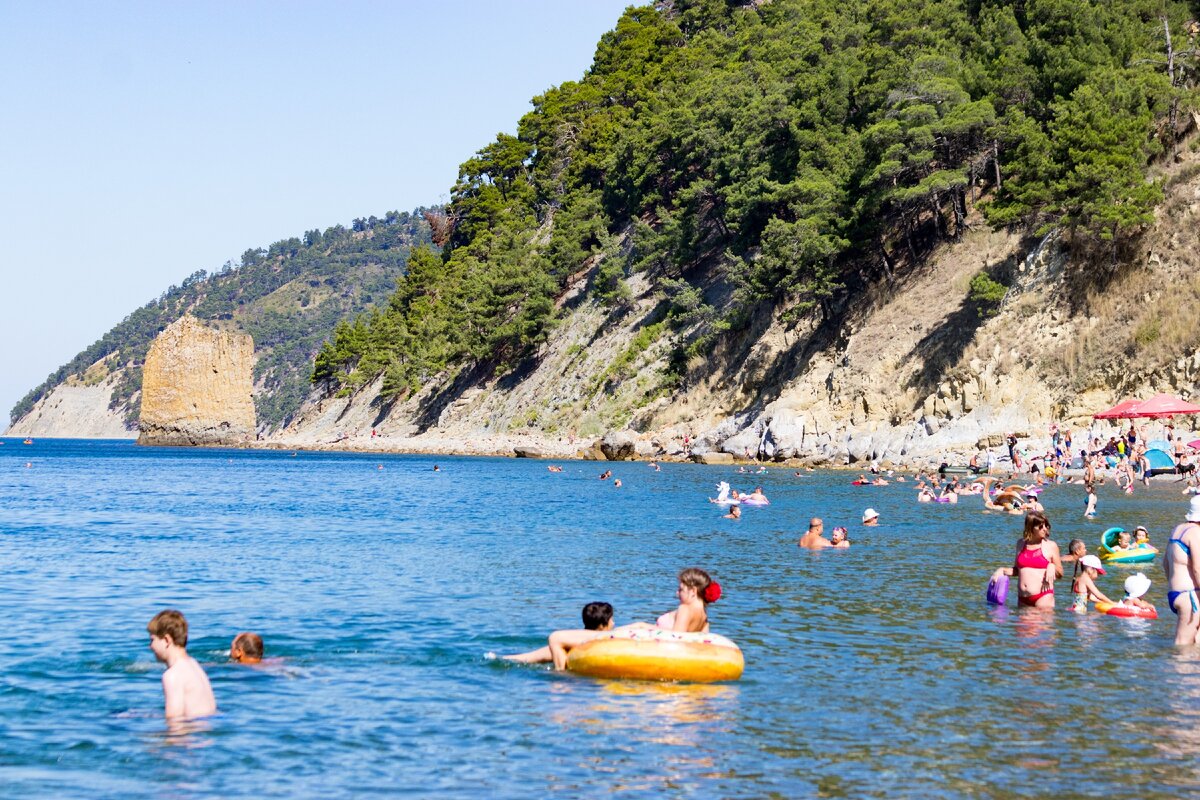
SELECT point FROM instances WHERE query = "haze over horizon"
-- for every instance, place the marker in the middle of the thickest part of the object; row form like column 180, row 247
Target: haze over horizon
column 153, row 141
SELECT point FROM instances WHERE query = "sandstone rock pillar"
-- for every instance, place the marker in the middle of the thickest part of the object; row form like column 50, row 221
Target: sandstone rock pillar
column 196, row 387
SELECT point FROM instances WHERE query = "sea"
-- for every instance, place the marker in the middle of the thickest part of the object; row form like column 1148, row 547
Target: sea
column 381, row 583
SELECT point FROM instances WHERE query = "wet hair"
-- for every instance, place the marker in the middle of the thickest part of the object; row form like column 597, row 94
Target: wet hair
column 169, row 623
column 1032, row 519
column 697, row 579
column 251, row 645
column 597, row 615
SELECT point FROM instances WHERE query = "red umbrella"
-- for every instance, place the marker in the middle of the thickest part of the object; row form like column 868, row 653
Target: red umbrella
column 1194, row 444
column 1122, row 410
column 1165, row 405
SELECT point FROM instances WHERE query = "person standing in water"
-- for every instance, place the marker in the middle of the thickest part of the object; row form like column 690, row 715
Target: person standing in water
column 187, row 693
column 1181, row 563
column 812, row 538
column 1038, row 563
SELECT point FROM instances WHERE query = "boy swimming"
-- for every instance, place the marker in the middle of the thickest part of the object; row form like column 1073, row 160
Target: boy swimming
column 596, row 617
column 187, row 693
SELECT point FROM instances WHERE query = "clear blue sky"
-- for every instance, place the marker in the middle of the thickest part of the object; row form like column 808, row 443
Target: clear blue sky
column 141, row 142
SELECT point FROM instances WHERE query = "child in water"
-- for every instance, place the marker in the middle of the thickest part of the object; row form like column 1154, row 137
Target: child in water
column 187, row 693
column 1084, row 585
column 1142, row 539
column 1123, row 542
column 1090, row 510
column 1135, row 586
column 596, row 617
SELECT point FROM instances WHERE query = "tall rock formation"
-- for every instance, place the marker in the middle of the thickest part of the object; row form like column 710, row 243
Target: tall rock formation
column 196, row 387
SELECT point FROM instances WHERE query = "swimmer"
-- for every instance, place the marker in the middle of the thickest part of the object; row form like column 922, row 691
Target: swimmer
column 187, row 693
column 606, row 474
column 1089, row 510
column 695, row 592
column 554, row 468
column 247, row 648
column 812, row 538
column 756, row 496
column 735, row 512
column 839, row 537
column 1076, row 549
column 1084, row 585
column 870, row 518
column 596, row 617
column 617, row 483
column 436, row 468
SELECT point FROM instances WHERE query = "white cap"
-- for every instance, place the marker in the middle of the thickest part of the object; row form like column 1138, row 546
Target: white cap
column 871, row 513
column 1193, row 514
column 1137, row 585
column 1093, row 562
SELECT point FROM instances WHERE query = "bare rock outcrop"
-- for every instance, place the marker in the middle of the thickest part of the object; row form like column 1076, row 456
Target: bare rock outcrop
column 196, row 387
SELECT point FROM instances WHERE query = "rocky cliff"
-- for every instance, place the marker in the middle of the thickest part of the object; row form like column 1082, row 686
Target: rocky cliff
column 197, row 387
column 913, row 372
column 78, row 408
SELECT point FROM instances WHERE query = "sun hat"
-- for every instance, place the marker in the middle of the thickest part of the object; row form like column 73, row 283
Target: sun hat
column 1140, row 528
column 1193, row 514
column 1137, row 585
column 1093, row 562
column 870, row 513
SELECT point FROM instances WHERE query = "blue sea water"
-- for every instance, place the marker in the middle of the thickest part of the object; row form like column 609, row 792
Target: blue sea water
column 873, row 672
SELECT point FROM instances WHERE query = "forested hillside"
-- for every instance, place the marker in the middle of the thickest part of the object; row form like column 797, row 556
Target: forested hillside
column 784, row 156
column 288, row 296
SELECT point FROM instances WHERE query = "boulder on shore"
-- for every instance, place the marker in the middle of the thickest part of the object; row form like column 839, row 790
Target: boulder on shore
column 619, row 446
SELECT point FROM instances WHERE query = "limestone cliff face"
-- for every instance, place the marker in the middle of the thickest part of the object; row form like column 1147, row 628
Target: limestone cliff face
column 75, row 410
column 196, row 387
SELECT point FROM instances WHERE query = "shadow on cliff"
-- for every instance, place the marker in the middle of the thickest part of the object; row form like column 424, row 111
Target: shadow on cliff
column 940, row 350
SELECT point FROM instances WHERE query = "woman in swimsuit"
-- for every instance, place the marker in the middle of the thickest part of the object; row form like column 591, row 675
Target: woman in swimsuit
column 696, row 590
column 1038, row 563
column 1180, row 563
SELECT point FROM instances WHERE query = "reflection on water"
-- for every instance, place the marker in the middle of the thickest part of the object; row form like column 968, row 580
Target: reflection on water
column 875, row 672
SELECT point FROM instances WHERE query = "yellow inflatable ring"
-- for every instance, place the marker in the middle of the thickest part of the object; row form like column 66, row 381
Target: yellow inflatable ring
column 652, row 654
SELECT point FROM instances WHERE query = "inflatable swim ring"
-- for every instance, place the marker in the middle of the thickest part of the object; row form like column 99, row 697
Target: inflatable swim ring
column 1132, row 555
column 752, row 502
column 1118, row 610
column 860, row 483
column 653, row 654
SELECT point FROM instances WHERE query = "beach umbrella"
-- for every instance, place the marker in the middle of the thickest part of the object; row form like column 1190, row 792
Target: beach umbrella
column 1194, row 444
column 1164, row 405
column 1122, row 410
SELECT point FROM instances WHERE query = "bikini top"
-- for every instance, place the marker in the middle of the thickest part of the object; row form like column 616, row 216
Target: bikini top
column 1032, row 558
